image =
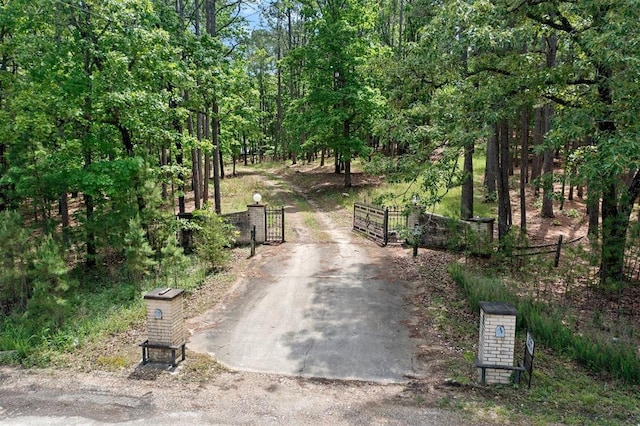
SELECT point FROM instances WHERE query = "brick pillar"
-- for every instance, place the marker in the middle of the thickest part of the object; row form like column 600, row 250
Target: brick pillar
column 257, row 218
column 165, row 321
column 497, row 339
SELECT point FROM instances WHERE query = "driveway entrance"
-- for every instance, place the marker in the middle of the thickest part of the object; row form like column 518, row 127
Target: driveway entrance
column 314, row 307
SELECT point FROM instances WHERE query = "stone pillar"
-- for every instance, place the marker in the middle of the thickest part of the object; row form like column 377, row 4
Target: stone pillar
column 497, row 339
column 257, row 218
column 483, row 226
column 479, row 238
column 165, row 321
column 413, row 219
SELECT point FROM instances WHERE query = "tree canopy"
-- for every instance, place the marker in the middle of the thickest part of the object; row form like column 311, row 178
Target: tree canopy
column 111, row 111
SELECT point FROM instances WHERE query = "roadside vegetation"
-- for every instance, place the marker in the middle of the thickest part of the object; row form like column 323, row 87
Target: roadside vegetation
column 574, row 381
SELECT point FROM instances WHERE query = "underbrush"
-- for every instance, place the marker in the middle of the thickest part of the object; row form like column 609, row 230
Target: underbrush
column 548, row 325
column 105, row 303
column 579, row 378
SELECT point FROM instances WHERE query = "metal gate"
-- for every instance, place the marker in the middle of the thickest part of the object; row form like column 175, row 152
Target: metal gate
column 381, row 224
column 274, row 225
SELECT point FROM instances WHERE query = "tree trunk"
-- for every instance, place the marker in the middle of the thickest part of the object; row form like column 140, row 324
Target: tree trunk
column 221, row 159
column 217, row 202
column 524, row 169
column 593, row 210
column 551, row 43
column 466, row 201
column 491, row 169
column 504, row 201
column 547, row 184
column 179, row 163
column 195, row 163
column 279, row 109
column 536, row 161
column 346, row 134
column 245, row 149
column 195, row 179
column 614, row 231
column 207, row 162
column 205, row 178
column 210, row 7
column 347, row 173
column 64, row 214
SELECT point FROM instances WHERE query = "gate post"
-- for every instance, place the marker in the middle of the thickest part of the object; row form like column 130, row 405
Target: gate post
column 283, row 224
column 385, row 225
column 257, row 221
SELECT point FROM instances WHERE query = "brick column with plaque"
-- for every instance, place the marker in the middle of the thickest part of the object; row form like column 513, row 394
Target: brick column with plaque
column 497, row 339
column 165, row 325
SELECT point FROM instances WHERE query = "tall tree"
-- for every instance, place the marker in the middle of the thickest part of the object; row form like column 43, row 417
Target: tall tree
column 339, row 104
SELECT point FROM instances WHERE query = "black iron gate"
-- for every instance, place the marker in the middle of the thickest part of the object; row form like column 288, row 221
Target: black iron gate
column 274, row 225
column 381, row 224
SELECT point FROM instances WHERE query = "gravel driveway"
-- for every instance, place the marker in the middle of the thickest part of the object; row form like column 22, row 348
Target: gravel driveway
column 319, row 309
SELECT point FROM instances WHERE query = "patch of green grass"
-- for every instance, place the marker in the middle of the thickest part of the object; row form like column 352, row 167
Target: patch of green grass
column 237, row 192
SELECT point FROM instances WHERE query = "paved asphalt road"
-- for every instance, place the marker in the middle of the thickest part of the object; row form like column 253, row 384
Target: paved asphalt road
column 316, row 310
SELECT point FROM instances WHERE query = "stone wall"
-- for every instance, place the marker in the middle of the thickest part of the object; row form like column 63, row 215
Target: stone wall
column 240, row 220
column 442, row 232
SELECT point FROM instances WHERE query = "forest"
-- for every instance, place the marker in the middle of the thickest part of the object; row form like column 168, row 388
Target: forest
column 111, row 111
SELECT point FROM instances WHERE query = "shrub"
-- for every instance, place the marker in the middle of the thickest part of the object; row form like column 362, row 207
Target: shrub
column 212, row 238
column 52, row 286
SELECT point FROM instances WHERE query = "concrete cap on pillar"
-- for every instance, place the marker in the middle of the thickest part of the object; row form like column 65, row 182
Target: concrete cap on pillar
column 498, row 308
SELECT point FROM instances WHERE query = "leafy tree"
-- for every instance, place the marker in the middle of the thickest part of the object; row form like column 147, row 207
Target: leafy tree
column 340, row 104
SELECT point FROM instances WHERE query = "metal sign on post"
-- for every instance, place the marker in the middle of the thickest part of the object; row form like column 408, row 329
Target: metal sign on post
column 528, row 356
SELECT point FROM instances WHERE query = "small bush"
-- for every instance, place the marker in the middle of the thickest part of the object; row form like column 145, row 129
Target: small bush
column 212, row 238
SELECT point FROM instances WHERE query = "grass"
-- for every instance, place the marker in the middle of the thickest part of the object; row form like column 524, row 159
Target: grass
column 562, row 390
column 397, row 194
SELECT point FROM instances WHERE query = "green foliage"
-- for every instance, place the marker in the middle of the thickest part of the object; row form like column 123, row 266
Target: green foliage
column 547, row 324
column 138, row 252
column 340, row 104
column 173, row 259
column 49, row 304
column 15, row 252
column 212, row 236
